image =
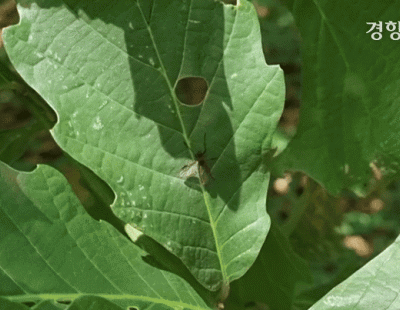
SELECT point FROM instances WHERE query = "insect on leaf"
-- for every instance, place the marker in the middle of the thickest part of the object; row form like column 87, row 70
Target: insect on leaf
column 194, row 170
column 198, row 168
column 189, row 170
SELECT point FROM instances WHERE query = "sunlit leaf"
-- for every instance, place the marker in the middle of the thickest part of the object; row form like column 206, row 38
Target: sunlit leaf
column 109, row 70
column 51, row 250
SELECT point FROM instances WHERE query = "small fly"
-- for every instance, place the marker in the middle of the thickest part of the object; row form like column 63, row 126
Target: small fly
column 198, row 168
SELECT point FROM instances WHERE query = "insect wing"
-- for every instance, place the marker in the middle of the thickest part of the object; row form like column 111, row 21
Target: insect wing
column 189, row 171
column 203, row 175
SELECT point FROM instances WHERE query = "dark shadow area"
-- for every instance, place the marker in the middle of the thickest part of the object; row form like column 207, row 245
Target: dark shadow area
column 64, row 301
column 170, row 263
column 234, row 2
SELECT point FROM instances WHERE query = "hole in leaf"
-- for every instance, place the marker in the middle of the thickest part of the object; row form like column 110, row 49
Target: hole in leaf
column 133, row 308
column 191, row 90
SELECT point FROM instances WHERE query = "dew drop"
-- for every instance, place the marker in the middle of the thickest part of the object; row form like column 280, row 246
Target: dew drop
column 97, row 124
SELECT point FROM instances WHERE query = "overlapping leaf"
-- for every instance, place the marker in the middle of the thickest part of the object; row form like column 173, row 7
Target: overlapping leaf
column 278, row 268
column 52, row 250
column 375, row 286
column 350, row 106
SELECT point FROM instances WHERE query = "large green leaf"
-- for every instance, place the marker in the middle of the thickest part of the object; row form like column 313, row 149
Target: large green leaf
column 109, row 70
column 350, row 106
column 52, row 250
column 273, row 277
column 374, row 286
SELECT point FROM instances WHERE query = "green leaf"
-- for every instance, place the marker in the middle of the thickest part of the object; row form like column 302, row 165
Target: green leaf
column 279, row 269
column 14, row 142
column 349, row 115
column 9, row 305
column 110, row 72
column 374, row 286
column 52, row 250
